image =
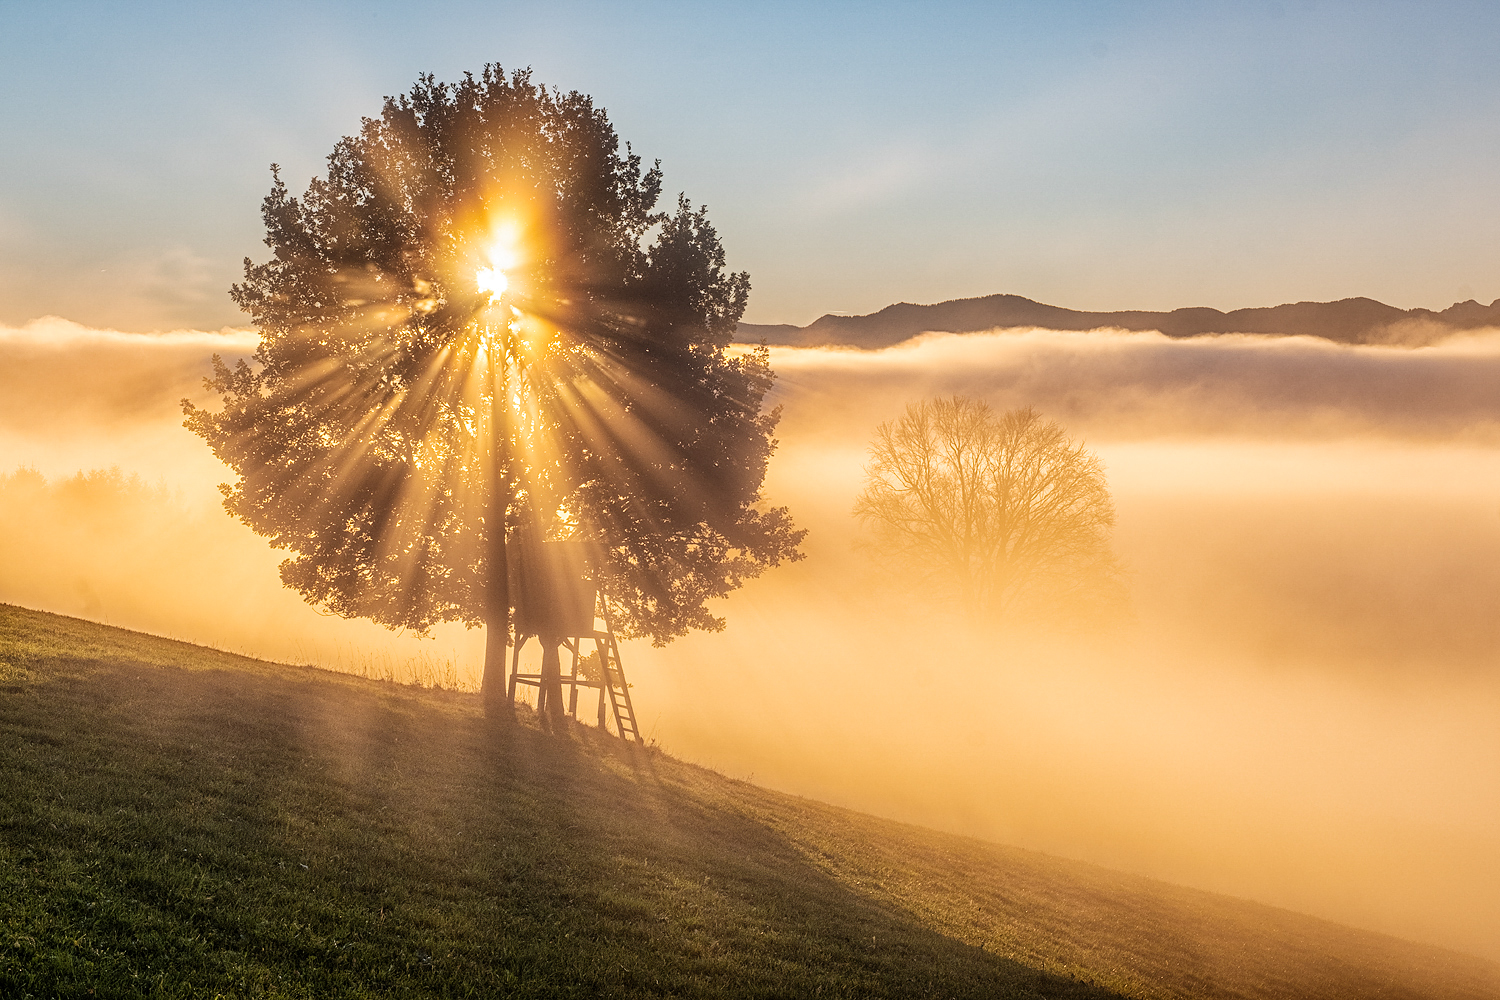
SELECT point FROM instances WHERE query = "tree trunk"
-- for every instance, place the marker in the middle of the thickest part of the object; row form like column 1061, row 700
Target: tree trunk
column 492, row 689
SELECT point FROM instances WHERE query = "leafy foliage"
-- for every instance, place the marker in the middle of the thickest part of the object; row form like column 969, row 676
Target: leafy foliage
column 399, row 420
column 1002, row 510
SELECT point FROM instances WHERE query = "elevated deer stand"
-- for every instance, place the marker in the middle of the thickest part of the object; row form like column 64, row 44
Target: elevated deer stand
column 559, row 604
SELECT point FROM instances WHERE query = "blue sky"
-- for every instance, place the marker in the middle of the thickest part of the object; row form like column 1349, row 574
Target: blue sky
column 1094, row 155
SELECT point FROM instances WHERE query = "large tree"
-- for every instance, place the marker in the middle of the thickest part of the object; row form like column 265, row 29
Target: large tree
column 1000, row 511
column 479, row 327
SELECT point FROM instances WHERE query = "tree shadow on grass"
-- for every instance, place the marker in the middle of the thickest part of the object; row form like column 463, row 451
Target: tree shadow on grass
column 276, row 832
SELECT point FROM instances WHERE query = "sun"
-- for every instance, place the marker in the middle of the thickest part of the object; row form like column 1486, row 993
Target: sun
column 491, row 280
column 501, row 253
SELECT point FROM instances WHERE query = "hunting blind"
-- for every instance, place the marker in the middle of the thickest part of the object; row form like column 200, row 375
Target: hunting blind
column 558, row 602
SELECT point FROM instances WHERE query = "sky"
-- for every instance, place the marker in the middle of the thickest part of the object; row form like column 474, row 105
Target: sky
column 1091, row 155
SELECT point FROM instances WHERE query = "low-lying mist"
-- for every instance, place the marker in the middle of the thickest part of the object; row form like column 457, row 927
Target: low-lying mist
column 1304, row 708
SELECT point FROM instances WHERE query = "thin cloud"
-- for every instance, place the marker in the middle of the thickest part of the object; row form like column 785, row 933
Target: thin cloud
column 57, row 375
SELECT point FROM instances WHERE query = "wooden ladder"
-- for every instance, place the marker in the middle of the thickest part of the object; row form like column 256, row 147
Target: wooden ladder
column 615, row 684
column 614, row 680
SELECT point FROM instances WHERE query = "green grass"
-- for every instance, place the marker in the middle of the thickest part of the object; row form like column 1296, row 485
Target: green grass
column 177, row 821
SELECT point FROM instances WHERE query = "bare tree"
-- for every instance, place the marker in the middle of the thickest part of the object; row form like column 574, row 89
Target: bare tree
column 1002, row 511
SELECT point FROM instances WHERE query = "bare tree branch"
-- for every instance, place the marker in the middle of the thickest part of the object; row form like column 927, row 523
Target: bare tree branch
column 1003, row 510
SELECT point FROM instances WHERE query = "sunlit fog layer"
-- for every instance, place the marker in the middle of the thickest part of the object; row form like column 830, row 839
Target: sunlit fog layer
column 1304, row 709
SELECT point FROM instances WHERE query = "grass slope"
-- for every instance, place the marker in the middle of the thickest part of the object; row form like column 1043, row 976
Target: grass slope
column 177, row 821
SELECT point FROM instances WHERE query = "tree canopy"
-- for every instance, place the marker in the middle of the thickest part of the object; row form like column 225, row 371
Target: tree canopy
column 1001, row 511
column 479, row 326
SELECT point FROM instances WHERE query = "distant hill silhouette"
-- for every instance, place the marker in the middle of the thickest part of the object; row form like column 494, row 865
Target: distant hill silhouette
column 1348, row 321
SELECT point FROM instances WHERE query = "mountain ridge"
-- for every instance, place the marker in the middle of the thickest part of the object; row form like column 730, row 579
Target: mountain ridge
column 1357, row 320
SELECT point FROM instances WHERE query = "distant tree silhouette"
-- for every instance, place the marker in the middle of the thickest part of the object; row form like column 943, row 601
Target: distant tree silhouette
column 1001, row 511
column 478, row 328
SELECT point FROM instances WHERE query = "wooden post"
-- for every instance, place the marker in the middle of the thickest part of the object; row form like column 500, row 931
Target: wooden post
column 549, row 698
column 573, row 686
column 515, row 667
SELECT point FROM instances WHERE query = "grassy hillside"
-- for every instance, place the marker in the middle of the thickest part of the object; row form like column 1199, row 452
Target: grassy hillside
column 176, row 821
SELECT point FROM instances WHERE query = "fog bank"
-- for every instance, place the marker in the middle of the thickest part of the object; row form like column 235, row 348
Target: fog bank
column 1304, row 709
